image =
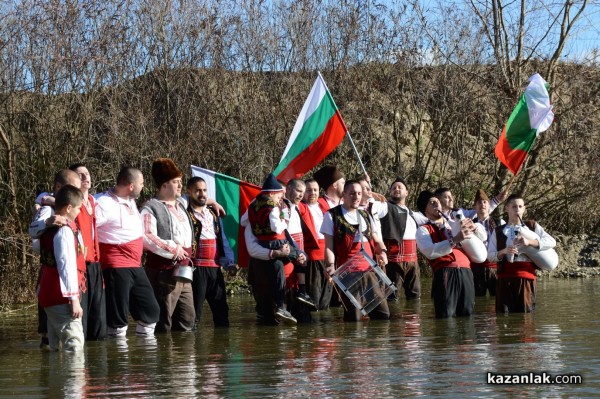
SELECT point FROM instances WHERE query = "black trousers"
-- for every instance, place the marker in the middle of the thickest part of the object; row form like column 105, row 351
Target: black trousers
column 485, row 280
column 209, row 284
column 318, row 285
column 405, row 275
column 369, row 290
column 267, row 279
column 93, row 303
column 42, row 318
column 453, row 292
column 128, row 290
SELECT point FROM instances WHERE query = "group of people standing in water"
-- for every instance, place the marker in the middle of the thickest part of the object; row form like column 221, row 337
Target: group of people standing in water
column 92, row 274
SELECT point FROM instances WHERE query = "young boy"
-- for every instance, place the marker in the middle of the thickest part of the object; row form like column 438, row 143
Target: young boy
column 62, row 255
column 515, row 287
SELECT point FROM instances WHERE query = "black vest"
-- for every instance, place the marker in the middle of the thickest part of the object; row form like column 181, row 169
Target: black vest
column 164, row 229
column 393, row 224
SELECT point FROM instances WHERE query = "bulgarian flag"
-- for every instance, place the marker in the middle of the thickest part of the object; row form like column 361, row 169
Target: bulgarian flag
column 317, row 132
column 234, row 195
column 532, row 115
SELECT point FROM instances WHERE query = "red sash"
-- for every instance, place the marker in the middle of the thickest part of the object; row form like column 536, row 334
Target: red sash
column 206, row 253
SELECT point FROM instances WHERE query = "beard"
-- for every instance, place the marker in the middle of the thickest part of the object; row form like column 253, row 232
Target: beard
column 198, row 202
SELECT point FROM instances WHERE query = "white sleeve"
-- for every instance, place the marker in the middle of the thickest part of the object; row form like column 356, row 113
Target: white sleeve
column 327, row 225
column 38, row 224
column 493, row 204
column 277, row 224
column 152, row 242
column 430, row 249
column 379, row 209
column 492, row 248
column 546, row 240
column 254, row 248
column 100, row 212
column 419, row 218
column 244, row 219
column 66, row 262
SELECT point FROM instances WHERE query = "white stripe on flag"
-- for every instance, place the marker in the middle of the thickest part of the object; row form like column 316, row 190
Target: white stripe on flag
column 209, row 177
column 312, row 102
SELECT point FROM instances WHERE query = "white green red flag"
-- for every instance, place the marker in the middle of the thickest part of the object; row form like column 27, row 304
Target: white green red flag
column 234, row 195
column 317, row 132
column 532, row 115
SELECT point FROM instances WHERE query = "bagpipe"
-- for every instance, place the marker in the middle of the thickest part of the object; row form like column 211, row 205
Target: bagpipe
column 473, row 246
column 546, row 259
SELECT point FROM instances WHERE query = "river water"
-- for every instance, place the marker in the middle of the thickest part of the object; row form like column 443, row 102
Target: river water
column 412, row 355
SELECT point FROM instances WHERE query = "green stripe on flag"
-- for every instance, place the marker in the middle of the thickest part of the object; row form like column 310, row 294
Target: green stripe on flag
column 519, row 134
column 313, row 127
column 228, row 194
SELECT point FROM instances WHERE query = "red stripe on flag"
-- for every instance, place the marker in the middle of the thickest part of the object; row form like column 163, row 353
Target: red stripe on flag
column 332, row 136
column 247, row 193
column 512, row 159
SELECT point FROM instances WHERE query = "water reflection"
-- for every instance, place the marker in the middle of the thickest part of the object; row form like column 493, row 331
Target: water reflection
column 64, row 374
column 411, row 355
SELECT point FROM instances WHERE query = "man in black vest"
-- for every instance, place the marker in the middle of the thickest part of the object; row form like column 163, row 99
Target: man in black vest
column 398, row 229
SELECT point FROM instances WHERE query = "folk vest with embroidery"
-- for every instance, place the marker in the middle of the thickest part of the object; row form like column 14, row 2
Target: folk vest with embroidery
column 344, row 246
column 50, row 292
column 457, row 258
column 164, row 230
column 206, row 255
column 515, row 269
column 258, row 216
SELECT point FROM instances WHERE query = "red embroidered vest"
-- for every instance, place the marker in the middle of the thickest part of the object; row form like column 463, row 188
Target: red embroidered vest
column 89, row 234
column 50, row 293
column 457, row 258
column 258, row 216
column 344, row 246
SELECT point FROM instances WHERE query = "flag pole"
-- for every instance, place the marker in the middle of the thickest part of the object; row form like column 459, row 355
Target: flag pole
column 344, row 123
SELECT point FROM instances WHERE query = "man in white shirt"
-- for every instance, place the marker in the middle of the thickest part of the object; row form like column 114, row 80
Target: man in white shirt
column 120, row 237
column 210, row 251
column 318, row 284
column 347, row 230
column 398, row 230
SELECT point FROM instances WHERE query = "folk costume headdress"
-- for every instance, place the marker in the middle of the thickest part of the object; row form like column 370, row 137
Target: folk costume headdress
column 271, row 184
column 423, row 200
column 163, row 170
column 480, row 195
column 327, row 175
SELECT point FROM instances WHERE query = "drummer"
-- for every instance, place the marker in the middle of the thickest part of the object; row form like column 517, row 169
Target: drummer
column 343, row 241
column 168, row 233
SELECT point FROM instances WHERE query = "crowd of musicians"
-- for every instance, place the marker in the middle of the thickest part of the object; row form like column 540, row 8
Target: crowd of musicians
column 103, row 259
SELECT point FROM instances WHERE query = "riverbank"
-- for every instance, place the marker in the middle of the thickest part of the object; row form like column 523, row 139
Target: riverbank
column 579, row 256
